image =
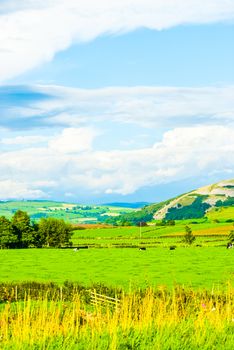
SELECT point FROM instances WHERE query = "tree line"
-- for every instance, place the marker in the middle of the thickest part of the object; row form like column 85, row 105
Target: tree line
column 20, row 232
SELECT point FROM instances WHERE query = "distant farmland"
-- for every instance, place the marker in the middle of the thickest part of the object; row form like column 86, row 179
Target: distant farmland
column 74, row 213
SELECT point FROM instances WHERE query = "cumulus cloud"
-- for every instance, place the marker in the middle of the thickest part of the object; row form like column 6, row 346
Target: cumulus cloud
column 43, row 160
column 10, row 189
column 73, row 140
column 31, row 32
column 180, row 154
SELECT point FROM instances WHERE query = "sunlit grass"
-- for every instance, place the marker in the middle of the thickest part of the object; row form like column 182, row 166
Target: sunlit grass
column 221, row 214
column 191, row 266
column 181, row 319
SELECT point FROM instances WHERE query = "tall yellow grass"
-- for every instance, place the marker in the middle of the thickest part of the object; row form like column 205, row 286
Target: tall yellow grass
column 37, row 322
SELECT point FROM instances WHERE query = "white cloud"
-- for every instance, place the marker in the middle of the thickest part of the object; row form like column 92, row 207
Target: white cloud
column 199, row 141
column 182, row 153
column 13, row 190
column 34, row 32
column 23, row 140
column 146, row 106
column 73, row 140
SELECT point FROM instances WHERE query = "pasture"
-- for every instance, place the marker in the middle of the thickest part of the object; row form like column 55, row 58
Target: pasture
column 207, row 234
column 129, row 268
column 169, row 299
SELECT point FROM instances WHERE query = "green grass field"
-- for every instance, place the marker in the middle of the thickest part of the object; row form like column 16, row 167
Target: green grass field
column 197, row 267
column 206, row 232
column 175, row 299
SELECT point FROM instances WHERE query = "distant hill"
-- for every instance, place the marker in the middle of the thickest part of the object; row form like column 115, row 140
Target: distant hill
column 195, row 204
column 214, row 201
column 72, row 212
column 135, row 205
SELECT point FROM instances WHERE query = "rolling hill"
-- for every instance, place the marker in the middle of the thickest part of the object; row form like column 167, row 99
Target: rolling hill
column 216, row 202
column 203, row 202
column 72, row 212
column 197, row 203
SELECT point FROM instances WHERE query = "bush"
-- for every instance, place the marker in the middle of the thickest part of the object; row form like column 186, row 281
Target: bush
column 189, row 238
column 231, row 236
column 54, row 232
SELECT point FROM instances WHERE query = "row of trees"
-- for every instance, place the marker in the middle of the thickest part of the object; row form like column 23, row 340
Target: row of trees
column 19, row 232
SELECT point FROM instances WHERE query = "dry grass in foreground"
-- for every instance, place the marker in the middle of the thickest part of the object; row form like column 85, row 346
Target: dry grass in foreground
column 181, row 319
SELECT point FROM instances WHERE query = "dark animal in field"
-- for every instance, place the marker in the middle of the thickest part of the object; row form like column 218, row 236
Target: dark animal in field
column 172, row 247
column 81, row 247
column 142, row 248
column 229, row 245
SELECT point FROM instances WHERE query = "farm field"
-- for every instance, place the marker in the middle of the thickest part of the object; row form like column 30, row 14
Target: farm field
column 178, row 298
column 74, row 213
column 128, row 268
column 205, row 232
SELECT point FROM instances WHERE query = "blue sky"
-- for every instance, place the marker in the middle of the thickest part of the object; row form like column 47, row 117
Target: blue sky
column 181, row 56
column 115, row 101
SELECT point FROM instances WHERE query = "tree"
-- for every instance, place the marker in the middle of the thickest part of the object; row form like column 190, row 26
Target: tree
column 171, row 222
column 141, row 224
column 37, row 239
column 8, row 236
column 189, row 238
column 22, row 225
column 231, row 236
column 54, row 232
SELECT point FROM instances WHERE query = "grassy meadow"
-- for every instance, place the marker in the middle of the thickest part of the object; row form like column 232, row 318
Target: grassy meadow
column 197, row 267
column 169, row 299
column 207, row 232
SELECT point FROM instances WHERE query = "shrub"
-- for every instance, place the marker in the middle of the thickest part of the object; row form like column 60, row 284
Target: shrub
column 189, row 238
column 231, row 236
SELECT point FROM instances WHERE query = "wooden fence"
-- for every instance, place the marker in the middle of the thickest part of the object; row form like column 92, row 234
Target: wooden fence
column 100, row 300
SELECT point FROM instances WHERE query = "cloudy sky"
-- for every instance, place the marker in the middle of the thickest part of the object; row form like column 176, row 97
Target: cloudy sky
column 128, row 100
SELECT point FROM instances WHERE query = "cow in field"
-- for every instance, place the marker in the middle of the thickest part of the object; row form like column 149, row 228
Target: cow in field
column 229, row 245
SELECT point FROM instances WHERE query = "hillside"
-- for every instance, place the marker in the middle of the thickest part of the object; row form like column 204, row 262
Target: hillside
column 214, row 201
column 204, row 201
column 73, row 212
column 197, row 203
